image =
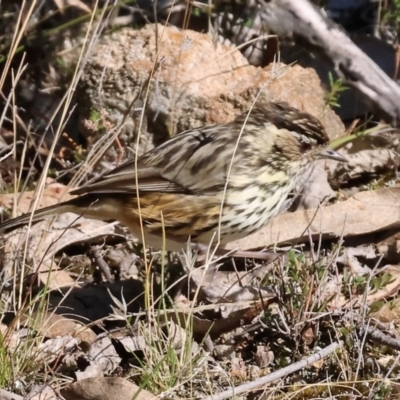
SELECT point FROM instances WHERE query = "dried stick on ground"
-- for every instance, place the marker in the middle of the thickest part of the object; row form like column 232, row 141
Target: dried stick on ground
column 260, row 383
column 4, row 395
column 302, row 21
column 379, row 337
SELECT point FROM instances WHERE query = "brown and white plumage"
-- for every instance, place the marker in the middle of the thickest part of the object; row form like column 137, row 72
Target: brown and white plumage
column 223, row 181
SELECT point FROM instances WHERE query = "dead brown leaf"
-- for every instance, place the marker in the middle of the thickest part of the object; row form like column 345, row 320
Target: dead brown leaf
column 308, row 336
column 42, row 392
column 243, row 313
column 226, row 286
column 61, row 5
column 51, row 195
column 365, row 212
column 238, row 369
column 9, row 338
column 263, row 356
column 53, row 349
column 388, row 312
column 104, row 389
column 103, row 353
column 44, row 243
column 79, row 4
column 52, row 325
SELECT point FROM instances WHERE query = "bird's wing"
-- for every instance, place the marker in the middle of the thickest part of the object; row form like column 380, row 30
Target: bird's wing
column 194, row 161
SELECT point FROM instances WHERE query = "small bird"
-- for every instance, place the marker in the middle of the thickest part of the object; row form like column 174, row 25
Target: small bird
column 212, row 184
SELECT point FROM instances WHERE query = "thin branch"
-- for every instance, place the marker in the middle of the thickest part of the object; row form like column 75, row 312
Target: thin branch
column 257, row 384
column 4, row 395
column 379, row 337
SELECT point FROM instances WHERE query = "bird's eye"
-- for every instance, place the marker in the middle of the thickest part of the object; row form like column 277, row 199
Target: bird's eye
column 305, row 146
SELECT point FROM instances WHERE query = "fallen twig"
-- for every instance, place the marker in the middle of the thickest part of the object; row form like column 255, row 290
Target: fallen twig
column 379, row 337
column 276, row 375
column 4, row 395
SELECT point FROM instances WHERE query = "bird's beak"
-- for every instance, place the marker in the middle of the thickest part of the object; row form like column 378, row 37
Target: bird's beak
column 331, row 154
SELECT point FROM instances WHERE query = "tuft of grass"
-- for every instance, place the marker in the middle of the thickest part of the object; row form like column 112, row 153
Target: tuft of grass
column 21, row 363
column 170, row 359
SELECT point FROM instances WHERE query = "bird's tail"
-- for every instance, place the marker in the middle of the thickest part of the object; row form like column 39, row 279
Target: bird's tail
column 77, row 205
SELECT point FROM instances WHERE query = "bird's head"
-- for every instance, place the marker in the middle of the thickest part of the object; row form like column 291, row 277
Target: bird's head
column 293, row 139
